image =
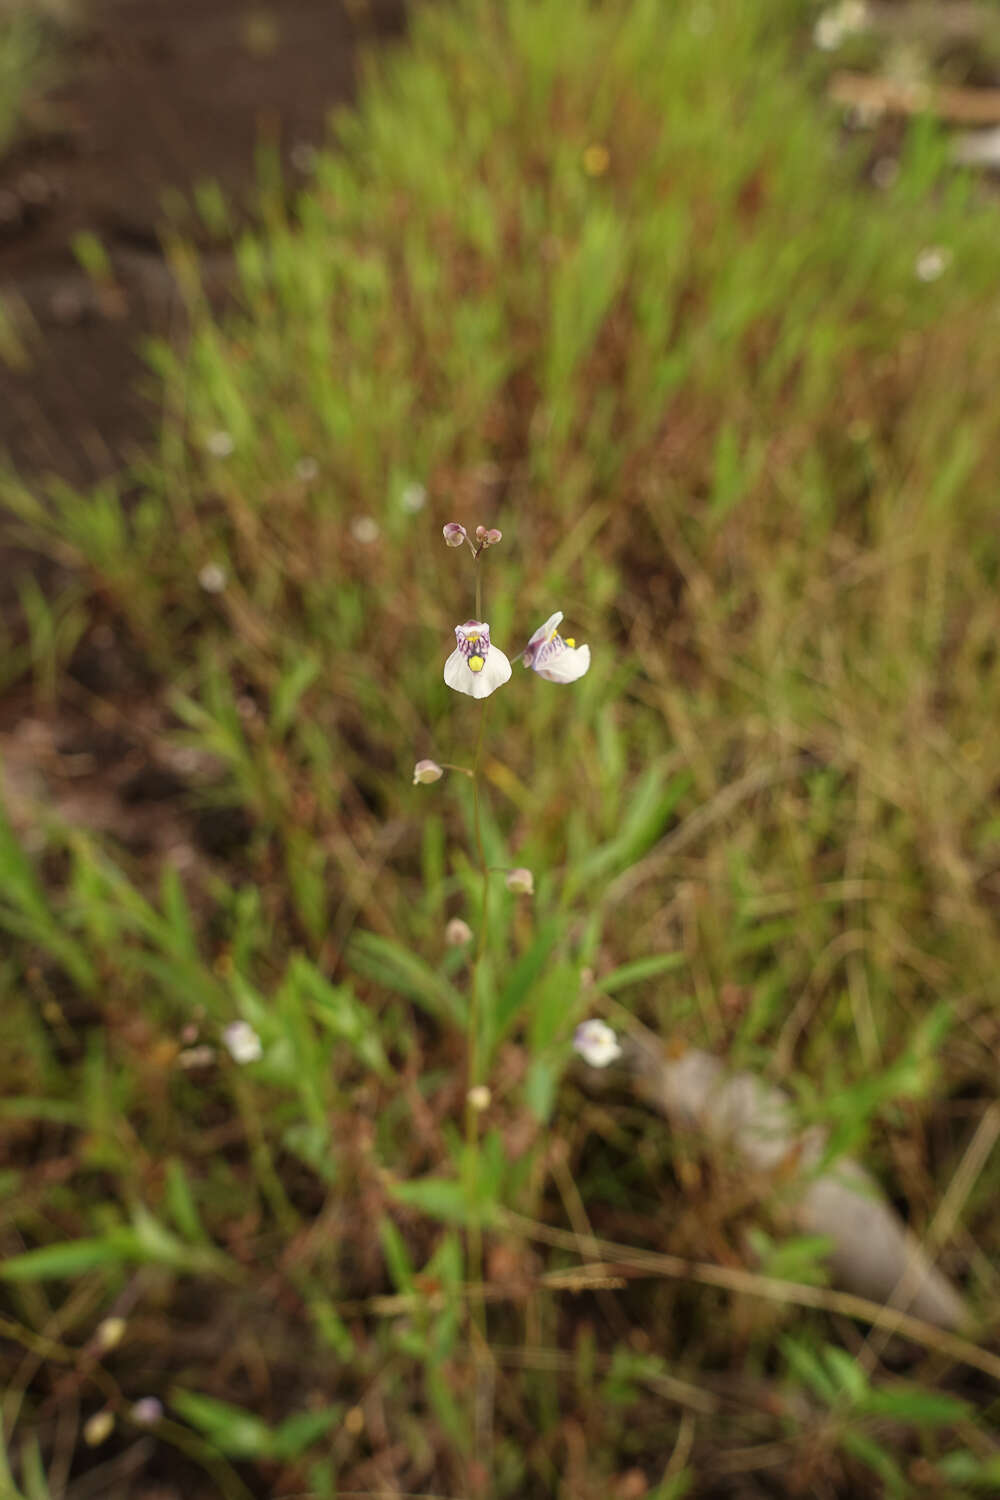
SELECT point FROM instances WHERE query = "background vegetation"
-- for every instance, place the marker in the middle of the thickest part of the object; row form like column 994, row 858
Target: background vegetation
column 614, row 279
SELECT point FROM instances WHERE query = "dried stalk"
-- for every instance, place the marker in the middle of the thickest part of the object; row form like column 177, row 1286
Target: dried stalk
column 873, row 1253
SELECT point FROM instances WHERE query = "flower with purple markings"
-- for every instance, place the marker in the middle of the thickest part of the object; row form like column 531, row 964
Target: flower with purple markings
column 476, row 666
column 553, row 658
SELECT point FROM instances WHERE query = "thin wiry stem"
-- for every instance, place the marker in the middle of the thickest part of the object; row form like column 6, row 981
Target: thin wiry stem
column 477, row 1308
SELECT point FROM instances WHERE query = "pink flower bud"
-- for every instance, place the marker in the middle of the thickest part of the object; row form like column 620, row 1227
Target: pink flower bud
column 493, row 536
column 426, row 771
column 480, row 533
column 521, row 882
column 147, row 1411
column 454, row 534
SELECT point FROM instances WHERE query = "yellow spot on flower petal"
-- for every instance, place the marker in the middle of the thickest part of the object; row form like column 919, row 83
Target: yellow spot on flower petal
column 476, row 663
column 570, row 641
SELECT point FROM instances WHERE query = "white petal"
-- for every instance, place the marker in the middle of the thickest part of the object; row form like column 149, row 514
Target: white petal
column 544, row 631
column 495, row 672
column 567, row 666
column 596, row 1043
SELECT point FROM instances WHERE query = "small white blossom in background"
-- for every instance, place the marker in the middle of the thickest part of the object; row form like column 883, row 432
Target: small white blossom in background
column 98, row 1428
column 306, row 469
column 596, row 1043
column 303, row 156
column 885, row 171
column 196, row 1057
column 932, row 263
column 977, row 148
column 553, row 658
column 457, row 933
column 479, row 1097
column 521, row 882
column 242, row 1042
column 220, row 444
column 364, row 529
column 413, row 498
column 840, row 21
column 476, row 667
column 147, row 1411
column 212, row 578
column 109, row 1333
column 454, row 534
column 426, row 771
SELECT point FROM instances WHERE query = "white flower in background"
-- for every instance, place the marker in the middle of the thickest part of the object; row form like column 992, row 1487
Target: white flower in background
column 364, row 529
column 220, row 444
column 242, row 1042
column 426, row 771
column 457, row 933
column 212, row 578
column 306, row 469
column 479, row 1097
column 413, row 498
column 476, row 666
column 840, row 21
column 596, row 1043
column 521, row 882
column 932, row 263
column 553, row 658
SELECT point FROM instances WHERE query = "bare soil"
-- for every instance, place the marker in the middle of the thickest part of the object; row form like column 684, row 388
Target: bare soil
column 156, row 97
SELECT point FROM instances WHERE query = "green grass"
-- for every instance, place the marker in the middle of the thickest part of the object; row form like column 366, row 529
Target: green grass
column 26, row 58
column 726, row 428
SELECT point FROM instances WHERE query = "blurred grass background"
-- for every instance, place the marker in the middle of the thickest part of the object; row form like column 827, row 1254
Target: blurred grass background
column 613, row 279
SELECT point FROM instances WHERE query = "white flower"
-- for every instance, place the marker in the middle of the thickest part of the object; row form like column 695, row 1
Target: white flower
column 552, row 657
column 932, row 263
column 212, row 578
column 413, row 498
column 843, row 20
column 596, row 1044
column 243, row 1042
column 476, row 666
column 479, row 1097
column 220, row 444
column 364, row 529
column 520, row 881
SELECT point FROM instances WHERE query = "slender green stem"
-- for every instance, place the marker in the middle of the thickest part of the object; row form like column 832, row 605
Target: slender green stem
column 474, row 1238
column 479, row 591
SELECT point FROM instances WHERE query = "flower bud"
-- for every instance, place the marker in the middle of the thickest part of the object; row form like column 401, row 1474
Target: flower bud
column 147, row 1411
column 480, row 533
column 479, row 1097
column 493, row 536
column 109, row 1333
column 521, row 881
column 98, row 1428
column 457, row 933
column 426, row 771
column 454, row 534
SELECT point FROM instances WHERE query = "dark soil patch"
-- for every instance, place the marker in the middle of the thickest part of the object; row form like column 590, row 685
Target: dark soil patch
column 158, row 96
